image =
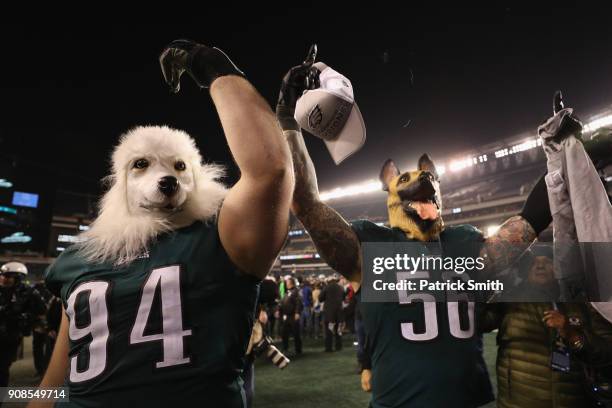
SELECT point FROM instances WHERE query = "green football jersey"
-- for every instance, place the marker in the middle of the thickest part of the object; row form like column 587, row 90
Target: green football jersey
column 425, row 354
column 170, row 327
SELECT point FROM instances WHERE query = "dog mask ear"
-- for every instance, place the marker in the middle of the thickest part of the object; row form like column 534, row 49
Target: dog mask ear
column 387, row 173
column 426, row 164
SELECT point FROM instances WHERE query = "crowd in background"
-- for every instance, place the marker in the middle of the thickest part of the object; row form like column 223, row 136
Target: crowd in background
column 300, row 307
column 297, row 307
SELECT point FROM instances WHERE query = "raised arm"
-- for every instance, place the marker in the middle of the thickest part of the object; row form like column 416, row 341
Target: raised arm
column 254, row 217
column 517, row 233
column 334, row 238
column 504, row 247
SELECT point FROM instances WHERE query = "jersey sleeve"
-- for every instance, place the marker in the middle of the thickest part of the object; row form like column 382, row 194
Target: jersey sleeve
column 51, row 280
column 214, row 255
column 367, row 231
column 59, row 272
column 463, row 240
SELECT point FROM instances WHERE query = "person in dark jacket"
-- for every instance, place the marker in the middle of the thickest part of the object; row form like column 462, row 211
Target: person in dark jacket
column 290, row 311
column 20, row 306
column 332, row 296
column 528, row 375
column 39, row 332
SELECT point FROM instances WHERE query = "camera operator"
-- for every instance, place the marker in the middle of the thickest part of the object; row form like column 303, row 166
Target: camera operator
column 260, row 342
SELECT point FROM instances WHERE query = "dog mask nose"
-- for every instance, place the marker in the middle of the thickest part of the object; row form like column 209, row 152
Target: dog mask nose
column 168, row 185
column 424, row 176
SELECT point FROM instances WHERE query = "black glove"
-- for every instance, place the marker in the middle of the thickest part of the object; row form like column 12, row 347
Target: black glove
column 204, row 64
column 570, row 124
column 295, row 82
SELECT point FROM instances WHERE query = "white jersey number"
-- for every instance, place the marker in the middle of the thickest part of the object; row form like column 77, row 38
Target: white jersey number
column 431, row 314
column 97, row 328
column 168, row 279
column 172, row 336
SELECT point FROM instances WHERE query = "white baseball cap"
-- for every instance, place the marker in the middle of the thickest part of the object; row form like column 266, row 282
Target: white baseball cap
column 330, row 113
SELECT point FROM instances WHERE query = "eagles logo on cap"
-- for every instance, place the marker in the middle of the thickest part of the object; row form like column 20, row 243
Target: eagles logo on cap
column 329, row 112
column 315, row 117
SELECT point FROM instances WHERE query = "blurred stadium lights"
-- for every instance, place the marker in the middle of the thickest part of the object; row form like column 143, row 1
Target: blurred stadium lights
column 597, row 122
column 492, row 229
column 456, row 165
column 520, row 147
column 355, row 189
column 16, row 238
column 4, row 183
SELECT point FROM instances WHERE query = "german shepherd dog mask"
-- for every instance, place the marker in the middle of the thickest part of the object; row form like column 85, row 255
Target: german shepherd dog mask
column 414, row 199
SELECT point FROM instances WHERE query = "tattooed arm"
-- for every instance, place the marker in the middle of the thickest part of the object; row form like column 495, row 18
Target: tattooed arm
column 506, row 246
column 332, row 235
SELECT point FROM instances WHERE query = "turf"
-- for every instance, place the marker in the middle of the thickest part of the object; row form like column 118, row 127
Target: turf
column 315, row 379
column 319, row 379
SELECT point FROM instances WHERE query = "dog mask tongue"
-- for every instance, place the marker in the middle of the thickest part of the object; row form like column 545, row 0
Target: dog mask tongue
column 427, row 211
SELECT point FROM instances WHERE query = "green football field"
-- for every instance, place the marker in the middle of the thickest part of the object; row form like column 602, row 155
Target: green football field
column 319, row 379
column 316, row 379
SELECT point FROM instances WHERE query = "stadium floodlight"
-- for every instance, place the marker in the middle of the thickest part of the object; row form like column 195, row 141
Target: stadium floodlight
column 501, row 153
column 492, row 229
column 597, row 123
column 456, row 165
column 526, row 145
column 603, row 120
column 355, row 189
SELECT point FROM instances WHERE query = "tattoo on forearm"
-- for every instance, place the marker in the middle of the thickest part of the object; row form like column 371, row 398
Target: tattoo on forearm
column 506, row 246
column 334, row 238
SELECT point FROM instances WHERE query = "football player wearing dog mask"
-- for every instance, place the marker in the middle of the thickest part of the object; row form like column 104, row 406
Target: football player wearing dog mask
column 408, row 369
column 169, row 320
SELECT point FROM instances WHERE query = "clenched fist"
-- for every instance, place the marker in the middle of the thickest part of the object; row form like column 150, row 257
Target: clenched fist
column 204, row 64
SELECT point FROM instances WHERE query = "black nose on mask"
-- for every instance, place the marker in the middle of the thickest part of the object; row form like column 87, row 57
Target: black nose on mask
column 426, row 176
column 168, row 185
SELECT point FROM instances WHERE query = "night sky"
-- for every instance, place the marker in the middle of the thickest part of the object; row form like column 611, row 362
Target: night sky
column 425, row 80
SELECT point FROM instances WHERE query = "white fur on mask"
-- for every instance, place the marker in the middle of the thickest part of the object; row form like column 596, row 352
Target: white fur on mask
column 119, row 234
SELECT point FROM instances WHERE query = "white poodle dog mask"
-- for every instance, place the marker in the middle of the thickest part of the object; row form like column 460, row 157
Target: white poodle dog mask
column 140, row 203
